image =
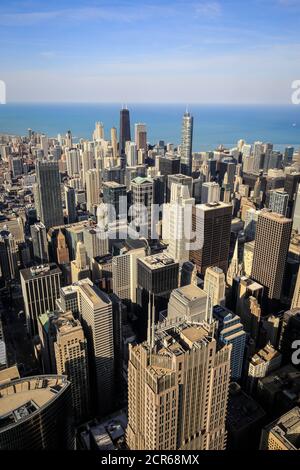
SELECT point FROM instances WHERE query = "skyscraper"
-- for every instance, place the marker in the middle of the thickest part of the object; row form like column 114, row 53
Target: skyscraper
column 271, row 247
column 114, row 141
column 211, row 224
column 142, row 205
column 70, row 348
column 186, row 144
column 214, row 285
column 40, row 289
column 177, row 222
column 92, row 180
column 140, row 136
column 178, row 390
column 70, row 204
column 80, row 267
column 97, row 315
column 278, row 201
column 39, row 243
column 125, row 134
column 48, row 192
column 62, row 252
column 8, row 256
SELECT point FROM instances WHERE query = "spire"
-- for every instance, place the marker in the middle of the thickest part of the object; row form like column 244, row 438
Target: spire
column 234, row 267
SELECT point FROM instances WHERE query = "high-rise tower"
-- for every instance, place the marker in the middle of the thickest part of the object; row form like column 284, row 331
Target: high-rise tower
column 125, row 134
column 187, row 143
column 48, row 193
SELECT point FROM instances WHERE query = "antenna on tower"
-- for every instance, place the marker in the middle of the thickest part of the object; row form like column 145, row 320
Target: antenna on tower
column 153, row 322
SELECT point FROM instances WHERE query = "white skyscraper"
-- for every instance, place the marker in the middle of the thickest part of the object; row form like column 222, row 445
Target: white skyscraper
column 210, row 193
column 186, row 144
column 178, row 223
column 92, row 180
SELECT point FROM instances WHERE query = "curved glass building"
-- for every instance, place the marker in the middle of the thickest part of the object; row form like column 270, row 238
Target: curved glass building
column 36, row 413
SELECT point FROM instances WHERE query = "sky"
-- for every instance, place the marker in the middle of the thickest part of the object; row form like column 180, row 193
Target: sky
column 157, row 51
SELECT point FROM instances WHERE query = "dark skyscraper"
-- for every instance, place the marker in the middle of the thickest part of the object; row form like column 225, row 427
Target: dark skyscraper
column 48, row 194
column 125, row 134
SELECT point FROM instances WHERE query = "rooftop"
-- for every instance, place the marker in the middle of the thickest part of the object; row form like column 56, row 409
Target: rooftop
column 22, row 398
column 159, row 260
column 40, row 271
column 97, row 297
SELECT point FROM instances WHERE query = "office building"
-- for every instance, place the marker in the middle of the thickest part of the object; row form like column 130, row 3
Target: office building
column 214, row 285
column 36, row 414
column 62, row 251
column 70, row 349
column 96, row 243
column 115, row 197
column 70, row 198
column 261, row 364
column 283, row 433
column 92, row 180
column 97, row 316
column 140, row 136
column 80, row 267
column 210, row 193
column 114, row 141
column 211, row 224
column 8, row 256
column 39, row 243
column 73, row 160
column 278, row 201
column 177, row 224
column 188, row 303
column 248, row 257
column 171, row 405
column 48, row 194
column 125, row 134
column 186, row 144
column 231, row 331
column 271, row 247
column 40, row 290
column 142, row 202
column 168, row 165
column 179, row 179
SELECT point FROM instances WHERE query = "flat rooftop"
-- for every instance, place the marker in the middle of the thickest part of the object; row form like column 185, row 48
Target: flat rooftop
column 97, row 297
column 159, row 260
column 21, row 398
column 40, row 271
column 190, row 292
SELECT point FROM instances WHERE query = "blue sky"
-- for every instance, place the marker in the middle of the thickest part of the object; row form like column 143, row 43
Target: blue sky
column 150, row 51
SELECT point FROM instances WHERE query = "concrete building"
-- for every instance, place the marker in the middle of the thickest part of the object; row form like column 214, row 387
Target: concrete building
column 188, row 303
column 271, row 247
column 39, row 243
column 96, row 312
column 186, row 147
column 48, row 193
column 283, row 433
column 211, row 224
column 171, row 405
column 214, row 285
column 40, row 290
column 36, row 414
column 261, row 364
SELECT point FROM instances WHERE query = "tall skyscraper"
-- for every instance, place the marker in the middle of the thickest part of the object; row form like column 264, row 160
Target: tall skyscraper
column 70, row 204
column 70, row 348
column 48, row 192
column 177, row 223
column 92, row 180
column 38, row 414
column 8, row 256
column 271, row 247
column 140, row 136
column 80, row 267
column 62, row 252
column 211, row 224
column 186, row 144
column 214, row 285
column 125, row 134
column 278, row 201
column 97, row 316
column 114, row 141
column 73, row 159
column 142, row 202
column 178, row 390
column 96, row 243
column 40, row 289
column 39, row 243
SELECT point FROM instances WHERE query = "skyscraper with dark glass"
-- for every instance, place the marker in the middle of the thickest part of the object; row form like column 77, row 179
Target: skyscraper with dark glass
column 186, row 144
column 48, row 193
column 125, row 134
